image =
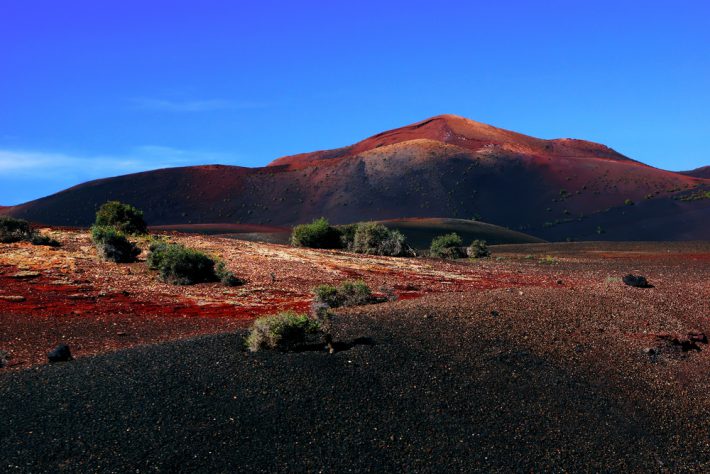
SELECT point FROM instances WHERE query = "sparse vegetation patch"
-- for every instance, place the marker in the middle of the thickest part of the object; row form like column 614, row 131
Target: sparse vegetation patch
column 319, row 234
column 376, row 239
column 284, row 331
column 14, row 230
column 447, row 246
column 180, row 265
column 478, row 249
column 123, row 217
column 113, row 245
column 347, row 294
column 41, row 239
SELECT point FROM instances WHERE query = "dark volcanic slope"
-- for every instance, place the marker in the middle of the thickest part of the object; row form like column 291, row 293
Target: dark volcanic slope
column 446, row 166
column 432, row 397
column 702, row 172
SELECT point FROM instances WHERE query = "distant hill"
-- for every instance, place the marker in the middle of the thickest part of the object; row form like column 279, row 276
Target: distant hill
column 419, row 231
column 445, row 166
column 702, row 172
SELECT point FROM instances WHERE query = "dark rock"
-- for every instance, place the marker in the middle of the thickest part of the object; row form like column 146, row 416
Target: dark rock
column 698, row 337
column 60, row 353
column 4, row 357
column 636, row 281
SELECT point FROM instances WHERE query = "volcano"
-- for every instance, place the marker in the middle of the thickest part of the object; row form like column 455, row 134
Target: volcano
column 446, row 167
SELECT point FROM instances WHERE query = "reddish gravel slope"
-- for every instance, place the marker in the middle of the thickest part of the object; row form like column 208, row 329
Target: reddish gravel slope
column 446, row 167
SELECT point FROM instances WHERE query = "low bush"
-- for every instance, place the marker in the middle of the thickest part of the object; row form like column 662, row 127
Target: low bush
column 113, row 245
column 226, row 277
column 180, row 265
column 347, row 294
column 447, row 246
column 376, row 239
column 14, row 230
column 123, row 217
column 347, row 235
column 319, row 234
column 41, row 239
column 284, row 331
column 478, row 249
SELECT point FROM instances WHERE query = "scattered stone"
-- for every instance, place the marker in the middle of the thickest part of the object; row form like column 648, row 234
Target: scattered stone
column 13, row 298
column 26, row 274
column 697, row 336
column 636, row 281
column 495, row 313
column 61, row 353
column 652, row 353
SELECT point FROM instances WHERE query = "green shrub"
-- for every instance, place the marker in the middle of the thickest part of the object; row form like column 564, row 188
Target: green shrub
column 41, row 239
column 478, row 249
column 226, row 277
column 347, row 235
column 156, row 252
column 376, row 239
column 447, row 246
column 124, row 217
column 14, row 230
column 284, row 331
column 319, row 234
column 628, row 202
column 113, row 245
column 180, row 265
column 347, row 294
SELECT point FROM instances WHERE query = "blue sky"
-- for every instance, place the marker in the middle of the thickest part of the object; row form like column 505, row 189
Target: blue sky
column 91, row 89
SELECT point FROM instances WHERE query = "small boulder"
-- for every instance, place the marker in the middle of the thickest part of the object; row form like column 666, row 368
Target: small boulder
column 636, row 281
column 61, row 353
column 4, row 357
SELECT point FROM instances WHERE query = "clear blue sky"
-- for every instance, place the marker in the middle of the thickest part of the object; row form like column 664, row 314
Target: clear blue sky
column 99, row 88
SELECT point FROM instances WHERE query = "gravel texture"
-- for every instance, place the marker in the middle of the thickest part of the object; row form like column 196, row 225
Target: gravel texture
column 577, row 372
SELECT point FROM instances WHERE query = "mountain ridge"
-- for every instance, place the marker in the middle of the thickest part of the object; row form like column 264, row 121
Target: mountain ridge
column 445, row 166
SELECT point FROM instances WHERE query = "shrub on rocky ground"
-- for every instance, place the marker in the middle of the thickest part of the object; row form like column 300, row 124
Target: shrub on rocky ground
column 319, row 234
column 41, row 239
column 226, row 277
column 478, row 249
column 376, row 239
column 447, row 246
column 181, row 265
column 284, row 331
column 14, row 230
column 123, row 217
column 113, row 245
column 4, row 358
column 347, row 294
column 347, row 235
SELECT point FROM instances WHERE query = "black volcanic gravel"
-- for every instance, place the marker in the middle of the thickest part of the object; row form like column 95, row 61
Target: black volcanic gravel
column 434, row 393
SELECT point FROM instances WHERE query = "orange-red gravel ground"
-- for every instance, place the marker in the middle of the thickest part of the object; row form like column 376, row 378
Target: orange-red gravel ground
column 68, row 295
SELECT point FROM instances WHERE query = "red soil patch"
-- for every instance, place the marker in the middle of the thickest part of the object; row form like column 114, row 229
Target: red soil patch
column 97, row 306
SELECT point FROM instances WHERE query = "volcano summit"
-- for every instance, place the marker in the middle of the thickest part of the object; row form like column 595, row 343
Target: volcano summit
column 446, row 166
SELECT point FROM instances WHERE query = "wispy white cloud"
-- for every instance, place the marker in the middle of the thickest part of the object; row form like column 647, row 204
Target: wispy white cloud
column 42, row 165
column 146, row 103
